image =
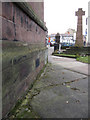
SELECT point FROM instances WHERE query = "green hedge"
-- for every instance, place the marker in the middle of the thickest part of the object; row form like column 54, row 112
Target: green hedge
column 78, row 50
column 64, row 47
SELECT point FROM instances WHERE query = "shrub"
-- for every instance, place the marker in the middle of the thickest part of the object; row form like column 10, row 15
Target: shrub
column 77, row 55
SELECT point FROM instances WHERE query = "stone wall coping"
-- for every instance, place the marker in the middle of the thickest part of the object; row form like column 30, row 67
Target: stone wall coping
column 29, row 11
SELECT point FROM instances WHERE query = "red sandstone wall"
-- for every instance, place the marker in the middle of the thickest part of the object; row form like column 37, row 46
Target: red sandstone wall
column 20, row 64
column 38, row 7
column 16, row 25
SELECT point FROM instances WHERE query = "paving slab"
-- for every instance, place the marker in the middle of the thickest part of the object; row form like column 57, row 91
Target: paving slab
column 63, row 89
column 60, row 102
column 63, row 94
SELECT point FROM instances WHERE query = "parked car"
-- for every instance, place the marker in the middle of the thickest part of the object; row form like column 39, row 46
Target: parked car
column 52, row 43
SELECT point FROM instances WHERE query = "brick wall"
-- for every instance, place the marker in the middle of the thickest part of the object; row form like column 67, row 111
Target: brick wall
column 24, row 52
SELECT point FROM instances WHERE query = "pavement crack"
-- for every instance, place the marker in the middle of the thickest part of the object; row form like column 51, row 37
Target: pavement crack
column 68, row 82
column 76, row 71
column 75, row 89
column 38, row 90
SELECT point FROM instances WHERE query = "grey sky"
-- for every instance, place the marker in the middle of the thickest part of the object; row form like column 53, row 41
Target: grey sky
column 60, row 14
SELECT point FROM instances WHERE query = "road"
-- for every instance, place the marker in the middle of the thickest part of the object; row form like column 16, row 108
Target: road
column 63, row 89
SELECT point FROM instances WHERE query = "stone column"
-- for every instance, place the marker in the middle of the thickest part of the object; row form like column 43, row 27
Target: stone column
column 79, row 35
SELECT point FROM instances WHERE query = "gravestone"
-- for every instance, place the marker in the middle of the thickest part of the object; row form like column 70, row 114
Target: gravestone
column 79, row 35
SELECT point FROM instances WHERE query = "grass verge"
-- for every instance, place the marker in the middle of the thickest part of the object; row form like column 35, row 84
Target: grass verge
column 84, row 59
column 64, row 55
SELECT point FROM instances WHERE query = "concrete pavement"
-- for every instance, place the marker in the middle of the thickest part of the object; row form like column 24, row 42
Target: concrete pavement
column 60, row 92
column 63, row 89
column 69, row 63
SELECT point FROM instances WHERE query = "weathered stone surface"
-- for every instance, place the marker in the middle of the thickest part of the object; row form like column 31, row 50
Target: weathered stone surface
column 19, row 72
column 79, row 35
column 20, row 27
column 38, row 10
column 23, row 50
column 8, row 30
column 7, row 10
column 30, row 12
